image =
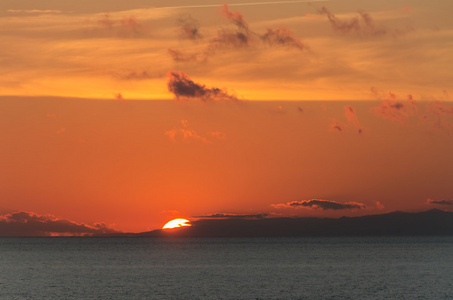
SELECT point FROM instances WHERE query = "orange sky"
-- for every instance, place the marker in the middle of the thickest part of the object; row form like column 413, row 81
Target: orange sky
column 131, row 114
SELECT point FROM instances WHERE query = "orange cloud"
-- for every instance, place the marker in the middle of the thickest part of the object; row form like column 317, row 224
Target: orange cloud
column 440, row 116
column 31, row 224
column 124, row 27
column 234, row 16
column 396, row 110
column 351, row 116
column 185, row 134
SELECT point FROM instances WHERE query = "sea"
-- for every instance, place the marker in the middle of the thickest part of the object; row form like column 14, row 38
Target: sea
column 226, row 268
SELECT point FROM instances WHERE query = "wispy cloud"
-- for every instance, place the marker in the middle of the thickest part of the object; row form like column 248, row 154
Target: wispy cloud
column 351, row 116
column 320, row 204
column 34, row 11
column 439, row 202
column 185, row 133
column 126, row 27
column 392, row 108
column 336, row 126
column 241, row 4
column 233, row 216
column 363, row 25
column 440, row 115
column 189, row 28
column 239, row 37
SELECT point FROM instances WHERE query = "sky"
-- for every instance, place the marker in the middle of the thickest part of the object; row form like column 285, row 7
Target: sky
column 121, row 115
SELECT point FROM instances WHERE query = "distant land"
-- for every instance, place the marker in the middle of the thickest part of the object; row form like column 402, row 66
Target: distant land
column 431, row 222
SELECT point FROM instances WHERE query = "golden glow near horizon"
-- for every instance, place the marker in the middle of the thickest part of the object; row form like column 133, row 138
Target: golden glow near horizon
column 177, row 223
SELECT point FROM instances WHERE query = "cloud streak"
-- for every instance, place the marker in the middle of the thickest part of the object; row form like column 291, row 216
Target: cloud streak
column 232, row 216
column 241, row 4
column 31, row 224
column 321, row 204
column 439, row 202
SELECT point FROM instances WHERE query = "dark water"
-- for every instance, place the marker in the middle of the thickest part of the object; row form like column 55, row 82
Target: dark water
column 277, row 268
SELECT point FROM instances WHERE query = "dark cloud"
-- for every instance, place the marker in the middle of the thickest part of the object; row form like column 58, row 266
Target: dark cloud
column 189, row 28
column 439, row 202
column 31, row 224
column 283, row 37
column 351, row 116
column 183, row 87
column 322, row 204
column 233, row 216
column 336, row 126
column 363, row 24
column 392, row 108
column 240, row 37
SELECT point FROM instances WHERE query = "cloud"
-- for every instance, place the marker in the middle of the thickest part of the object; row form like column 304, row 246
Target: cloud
column 349, row 113
column 439, row 115
column 363, row 24
column 336, row 126
column 240, row 37
column 234, row 16
column 232, row 216
column 134, row 75
column 227, row 38
column 379, row 205
column 178, row 56
column 439, row 202
column 396, row 110
column 34, row 11
column 184, row 88
column 321, row 204
column 189, row 28
column 122, row 27
column 282, row 37
column 31, row 224
column 184, row 133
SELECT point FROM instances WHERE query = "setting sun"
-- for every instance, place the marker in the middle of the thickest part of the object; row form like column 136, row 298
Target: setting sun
column 177, row 223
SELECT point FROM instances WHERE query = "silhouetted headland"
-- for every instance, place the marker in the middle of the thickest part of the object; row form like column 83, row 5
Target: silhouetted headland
column 432, row 222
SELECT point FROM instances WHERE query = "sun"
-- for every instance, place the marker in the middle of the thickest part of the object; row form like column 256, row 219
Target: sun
column 175, row 223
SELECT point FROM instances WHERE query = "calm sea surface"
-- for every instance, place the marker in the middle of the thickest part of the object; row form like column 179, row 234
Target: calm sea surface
column 246, row 268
